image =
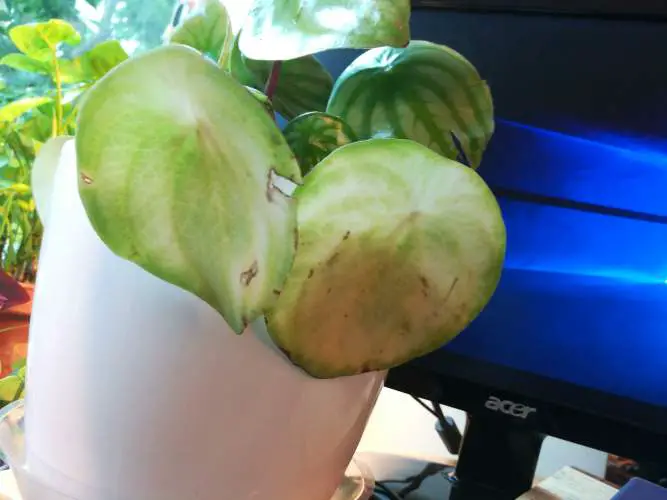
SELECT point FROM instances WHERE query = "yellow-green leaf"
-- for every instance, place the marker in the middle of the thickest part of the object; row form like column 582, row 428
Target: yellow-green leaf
column 23, row 62
column 15, row 109
column 39, row 40
column 9, row 387
column 102, row 58
column 20, row 188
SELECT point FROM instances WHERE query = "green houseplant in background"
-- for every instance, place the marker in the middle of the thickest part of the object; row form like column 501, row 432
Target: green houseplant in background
column 27, row 120
column 356, row 238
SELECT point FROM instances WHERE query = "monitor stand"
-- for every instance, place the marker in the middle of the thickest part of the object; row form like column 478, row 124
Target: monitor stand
column 497, row 461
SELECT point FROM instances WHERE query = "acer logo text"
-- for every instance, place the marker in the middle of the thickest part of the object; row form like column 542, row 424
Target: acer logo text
column 507, row 407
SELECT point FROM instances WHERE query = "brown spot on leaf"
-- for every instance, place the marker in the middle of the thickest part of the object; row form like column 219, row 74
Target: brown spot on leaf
column 276, row 292
column 424, row 281
column 332, row 259
column 451, row 289
column 249, row 274
column 310, row 273
column 347, row 235
column 270, row 188
column 86, row 178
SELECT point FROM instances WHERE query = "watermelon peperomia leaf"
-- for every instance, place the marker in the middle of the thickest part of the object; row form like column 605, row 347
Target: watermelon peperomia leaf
column 177, row 163
column 304, row 84
column 206, row 29
column 399, row 250
column 425, row 92
column 313, row 136
column 286, row 29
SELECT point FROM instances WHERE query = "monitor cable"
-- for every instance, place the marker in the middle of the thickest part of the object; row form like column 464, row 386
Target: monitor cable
column 451, row 437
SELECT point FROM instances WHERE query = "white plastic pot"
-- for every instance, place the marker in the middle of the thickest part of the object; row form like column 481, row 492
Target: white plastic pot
column 138, row 390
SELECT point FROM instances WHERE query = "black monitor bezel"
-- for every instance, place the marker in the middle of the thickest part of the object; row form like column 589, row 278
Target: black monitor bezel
column 637, row 9
column 564, row 410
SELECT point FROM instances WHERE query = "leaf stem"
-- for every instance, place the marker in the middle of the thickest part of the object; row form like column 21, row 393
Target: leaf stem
column 227, row 47
column 59, row 97
column 272, row 82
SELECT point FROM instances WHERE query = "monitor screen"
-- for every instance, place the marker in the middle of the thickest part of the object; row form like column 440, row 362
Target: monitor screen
column 579, row 164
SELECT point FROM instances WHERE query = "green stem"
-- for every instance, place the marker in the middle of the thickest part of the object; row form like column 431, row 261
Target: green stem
column 7, row 208
column 226, row 52
column 57, row 79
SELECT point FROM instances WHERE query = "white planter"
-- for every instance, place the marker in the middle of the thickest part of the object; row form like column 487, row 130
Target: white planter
column 137, row 390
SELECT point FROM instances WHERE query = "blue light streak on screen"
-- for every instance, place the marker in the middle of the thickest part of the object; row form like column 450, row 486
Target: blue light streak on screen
column 583, row 297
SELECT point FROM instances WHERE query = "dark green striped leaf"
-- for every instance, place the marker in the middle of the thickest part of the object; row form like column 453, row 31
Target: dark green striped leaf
column 286, row 29
column 181, row 179
column 206, row 29
column 425, row 92
column 399, row 250
column 304, row 84
column 313, row 136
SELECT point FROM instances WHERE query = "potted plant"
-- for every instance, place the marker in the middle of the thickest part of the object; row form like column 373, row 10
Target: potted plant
column 228, row 295
column 31, row 115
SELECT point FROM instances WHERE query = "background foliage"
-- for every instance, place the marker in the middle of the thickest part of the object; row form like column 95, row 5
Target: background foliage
column 40, row 86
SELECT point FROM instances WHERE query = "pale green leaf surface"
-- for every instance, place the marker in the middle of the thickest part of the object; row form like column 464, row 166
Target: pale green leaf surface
column 399, row 250
column 176, row 161
column 40, row 39
column 22, row 62
column 15, row 109
column 313, row 136
column 304, row 83
column 424, row 92
column 206, row 29
column 286, row 29
column 43, row 173
column 102, row 58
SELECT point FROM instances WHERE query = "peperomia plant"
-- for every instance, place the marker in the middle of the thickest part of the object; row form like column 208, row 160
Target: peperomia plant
column 360, row 232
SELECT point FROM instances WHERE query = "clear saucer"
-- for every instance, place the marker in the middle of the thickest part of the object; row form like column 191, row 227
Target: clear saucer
column 357, row 485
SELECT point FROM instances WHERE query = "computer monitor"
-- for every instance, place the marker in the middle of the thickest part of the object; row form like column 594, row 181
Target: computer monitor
column 574, row 342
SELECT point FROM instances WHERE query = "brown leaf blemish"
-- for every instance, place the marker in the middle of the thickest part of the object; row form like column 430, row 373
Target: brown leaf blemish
column 347, row 235
column 86, row 179
column 451, row 289
column 270, row 188
column 310, row 273
column 249, row 274
column 332, row 259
